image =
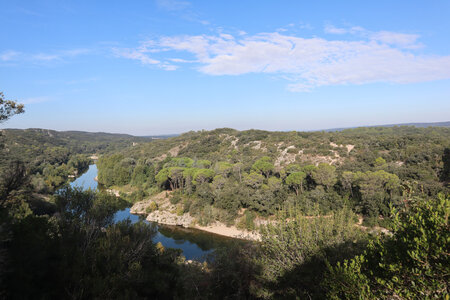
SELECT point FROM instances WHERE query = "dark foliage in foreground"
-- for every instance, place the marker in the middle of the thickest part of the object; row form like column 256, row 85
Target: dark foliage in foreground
column 80, row 253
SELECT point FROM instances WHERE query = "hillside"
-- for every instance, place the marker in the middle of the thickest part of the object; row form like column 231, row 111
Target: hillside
column 419, row 125
column 236, row 176
column 52, row 157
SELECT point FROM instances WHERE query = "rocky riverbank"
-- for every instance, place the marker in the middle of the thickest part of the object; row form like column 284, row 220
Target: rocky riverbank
column 166, row 214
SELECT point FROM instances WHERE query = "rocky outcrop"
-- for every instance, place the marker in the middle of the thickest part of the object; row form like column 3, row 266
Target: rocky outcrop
column 166, row 214
column 167, row 218
column 113, row 192
column 139, row 208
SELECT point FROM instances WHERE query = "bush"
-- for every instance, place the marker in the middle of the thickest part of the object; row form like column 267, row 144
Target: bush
column 294, row 251
column 412, row 264
column 246, row 221
column 175, row 199
column 186, row 205
column 152, row 207
column 180, row 210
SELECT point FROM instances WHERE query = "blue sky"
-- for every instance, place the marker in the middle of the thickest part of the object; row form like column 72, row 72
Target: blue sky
column 166, row 66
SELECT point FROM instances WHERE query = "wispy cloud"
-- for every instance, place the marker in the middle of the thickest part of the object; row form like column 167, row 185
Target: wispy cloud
column 141, row 54
column 34, row 100
column 60, row 55
column 136, row 54
column 295, row 26
column 172, row 5
column 306, row 63
column 334, row 30
column 43, row 57
column 398, row 39
column 82, row 80
column 9, row 55
column 183, row 9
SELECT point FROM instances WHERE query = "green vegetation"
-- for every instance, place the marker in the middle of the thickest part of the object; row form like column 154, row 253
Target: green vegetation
column 223, row 171
column 80, row 253
column 52, row 157
column 306, row 186
column 412, row 264
column 328, row 257
column 294, row 252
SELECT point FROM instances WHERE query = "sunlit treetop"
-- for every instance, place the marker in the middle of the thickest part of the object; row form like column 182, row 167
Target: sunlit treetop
column 9, row 108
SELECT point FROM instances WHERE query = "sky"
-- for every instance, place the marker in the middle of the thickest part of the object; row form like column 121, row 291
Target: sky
column 171, row 66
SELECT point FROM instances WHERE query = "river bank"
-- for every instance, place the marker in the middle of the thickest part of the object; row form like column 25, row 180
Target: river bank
column 166, row 214
column 195, row 244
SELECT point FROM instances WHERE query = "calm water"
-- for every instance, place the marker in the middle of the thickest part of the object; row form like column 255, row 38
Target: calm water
column 195, row 244
column 86, row 180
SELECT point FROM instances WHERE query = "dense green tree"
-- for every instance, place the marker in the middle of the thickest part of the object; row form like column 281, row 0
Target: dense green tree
column 292, row 168
column 325, row 175
column 274, row 184
column 446, row 169
column 347, row 181
column 237, row 170
column 264, row 165
column 380, row 162
column 376, row 189
column 413, row 263
column 188, row 175
column 254, row 180
column 80, row 253
column 203, row 164
column 182, row 162
column 295, row 180
column 176, row 179
column 203, row 175
column 162, row 177
column 143, row 173
column 106, row 166
column 223, row 168
column 122, row 175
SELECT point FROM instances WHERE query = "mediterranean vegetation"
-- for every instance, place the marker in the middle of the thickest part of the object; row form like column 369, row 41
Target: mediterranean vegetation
column 216, row 174
column 53, row 157
column 354, row 214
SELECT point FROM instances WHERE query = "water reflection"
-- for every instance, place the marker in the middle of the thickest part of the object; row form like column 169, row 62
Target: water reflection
column 195, row 244
column 87, row 180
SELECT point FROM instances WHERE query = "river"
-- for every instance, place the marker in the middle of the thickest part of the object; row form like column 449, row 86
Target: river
column 195, row 244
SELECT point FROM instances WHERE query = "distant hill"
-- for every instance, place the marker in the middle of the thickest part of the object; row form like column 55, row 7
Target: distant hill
column 159, row 137
column 419, row 125
column 77, row 134
column 28, row 143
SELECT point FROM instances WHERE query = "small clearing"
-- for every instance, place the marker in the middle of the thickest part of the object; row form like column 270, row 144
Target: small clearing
column 286, row 158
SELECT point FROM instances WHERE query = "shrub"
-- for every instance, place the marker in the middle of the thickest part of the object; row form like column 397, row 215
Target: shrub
column 175, row 199
column 152, row 207
column 412, row 264
column 180, row 210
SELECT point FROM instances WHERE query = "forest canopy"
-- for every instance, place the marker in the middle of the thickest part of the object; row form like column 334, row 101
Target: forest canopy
column 224, row 170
